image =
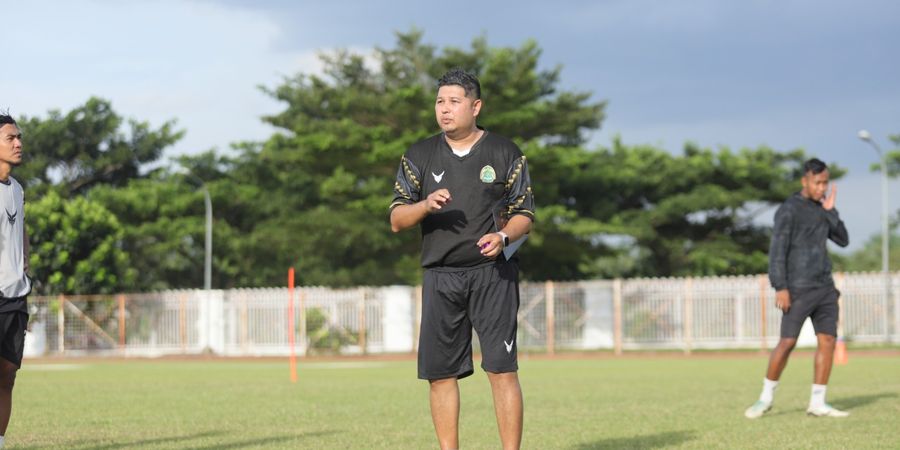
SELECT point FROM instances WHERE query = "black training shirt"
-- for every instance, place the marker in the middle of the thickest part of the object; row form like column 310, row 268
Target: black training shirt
column 489, row 184
column 798, row 256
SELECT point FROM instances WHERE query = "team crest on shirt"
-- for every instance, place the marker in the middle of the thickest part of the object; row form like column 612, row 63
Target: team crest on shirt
column 488, row 175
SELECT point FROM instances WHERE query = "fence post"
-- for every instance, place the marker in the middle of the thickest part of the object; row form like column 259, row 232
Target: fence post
column 61, row 325
column 763, row 291
column 245, row 324
column 121, row 299
column 687, row 314
column 291, row 328
column 617, row 316
column 896, row 292
column 551, row 319
column 301, row 298
column 182, row 321
column 361, row 339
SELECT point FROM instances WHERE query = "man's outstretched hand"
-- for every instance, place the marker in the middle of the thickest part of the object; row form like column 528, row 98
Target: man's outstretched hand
column 436, row 200
column 828, row 204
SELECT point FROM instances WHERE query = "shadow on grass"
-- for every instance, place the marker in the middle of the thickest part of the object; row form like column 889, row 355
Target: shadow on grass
column 176, row 440
column 160, row 440
column 846, row 403
column 263, row 441
column 658, row 440
column 775, row 412
column 861, row 400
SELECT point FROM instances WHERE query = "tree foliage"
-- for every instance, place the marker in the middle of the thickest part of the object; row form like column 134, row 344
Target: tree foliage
column 641, row 211
column 76, row 247
column 314, row 195
column 80, row 244
column 868, row 258
column 85, row 147
column 320, row 187
column 892, row 158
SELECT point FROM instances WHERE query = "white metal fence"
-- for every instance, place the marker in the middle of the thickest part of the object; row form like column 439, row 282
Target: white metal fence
column 679, row 313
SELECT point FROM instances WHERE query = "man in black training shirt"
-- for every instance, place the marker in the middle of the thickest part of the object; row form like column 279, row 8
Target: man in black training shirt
column 471, row 192
column 800, row 272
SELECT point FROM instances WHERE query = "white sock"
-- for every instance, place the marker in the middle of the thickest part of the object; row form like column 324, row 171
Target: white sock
column 1, row 441
column 817, row 399
column 768, row 392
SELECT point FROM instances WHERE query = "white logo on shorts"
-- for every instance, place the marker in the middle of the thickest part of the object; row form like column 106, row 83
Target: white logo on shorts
column 509, row 345
column 438, row 178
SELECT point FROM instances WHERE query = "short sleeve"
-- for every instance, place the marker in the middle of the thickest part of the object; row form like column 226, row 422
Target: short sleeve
column 519, row 199
column 408, row 185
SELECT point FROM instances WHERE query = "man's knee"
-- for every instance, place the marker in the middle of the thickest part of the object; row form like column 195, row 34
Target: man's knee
column 7, row 377
column 825, row 340
column 442, row 383
column 503, row 378
column 498, row 375
column 787, row 344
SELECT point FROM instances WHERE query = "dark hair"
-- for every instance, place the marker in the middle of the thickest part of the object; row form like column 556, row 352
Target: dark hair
column 815, row 165
column 5, row 118
column 459, row 77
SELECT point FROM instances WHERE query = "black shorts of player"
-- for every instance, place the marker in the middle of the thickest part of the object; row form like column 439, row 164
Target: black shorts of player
column 12, row 336
column 819, row 304
column 454, row 300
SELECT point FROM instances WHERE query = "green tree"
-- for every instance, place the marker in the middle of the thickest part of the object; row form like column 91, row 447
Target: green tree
column 164, row 228
column 315, row 195
column 868, row 258
column 892, row 158
column 76, row 247
column 86, row 147
column 641, row 211
column 86, row 243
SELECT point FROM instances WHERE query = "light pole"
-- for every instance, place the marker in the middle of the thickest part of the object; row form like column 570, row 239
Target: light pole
column 207, row 259
column 207, row 263
column 885, row 231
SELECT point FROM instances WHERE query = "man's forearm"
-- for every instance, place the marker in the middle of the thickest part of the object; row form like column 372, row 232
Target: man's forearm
column 518, row 226
column 837, row 232
column 778, row 265
column 777, row 279
column 407, row 216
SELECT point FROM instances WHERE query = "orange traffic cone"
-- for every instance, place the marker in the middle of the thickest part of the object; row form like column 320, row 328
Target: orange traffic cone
column 840, row 352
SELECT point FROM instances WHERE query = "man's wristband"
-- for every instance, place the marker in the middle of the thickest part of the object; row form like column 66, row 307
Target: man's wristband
column 505, row 238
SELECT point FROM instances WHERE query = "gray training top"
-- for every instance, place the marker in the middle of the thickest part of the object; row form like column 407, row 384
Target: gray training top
column 798, row 256
column 13, row 281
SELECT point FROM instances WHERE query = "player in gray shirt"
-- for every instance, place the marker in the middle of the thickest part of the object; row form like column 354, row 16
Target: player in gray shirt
column 14, row 283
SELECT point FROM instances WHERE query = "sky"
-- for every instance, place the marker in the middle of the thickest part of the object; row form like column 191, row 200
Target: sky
column 788, row 74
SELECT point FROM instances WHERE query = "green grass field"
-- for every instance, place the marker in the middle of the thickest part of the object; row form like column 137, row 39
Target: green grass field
column 600, row 403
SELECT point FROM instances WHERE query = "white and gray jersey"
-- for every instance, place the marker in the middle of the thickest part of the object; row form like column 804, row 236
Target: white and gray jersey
column 13, row 281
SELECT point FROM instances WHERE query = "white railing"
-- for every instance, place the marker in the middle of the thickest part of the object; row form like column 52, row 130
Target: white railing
column 671, row 313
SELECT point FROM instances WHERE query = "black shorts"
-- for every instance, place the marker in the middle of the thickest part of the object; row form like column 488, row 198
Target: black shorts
column 12, row 336
column 819, row 304
column 456, row 300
